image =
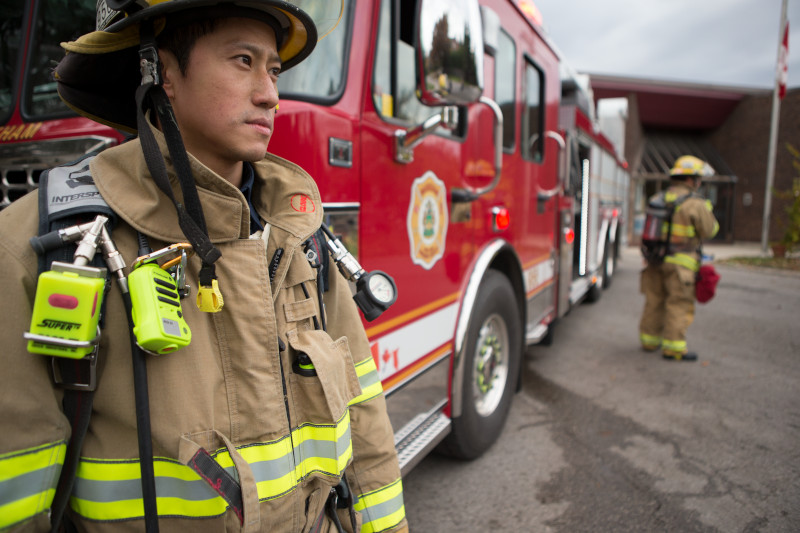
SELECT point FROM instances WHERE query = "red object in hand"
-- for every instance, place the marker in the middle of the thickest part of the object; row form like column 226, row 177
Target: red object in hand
column 706, row 285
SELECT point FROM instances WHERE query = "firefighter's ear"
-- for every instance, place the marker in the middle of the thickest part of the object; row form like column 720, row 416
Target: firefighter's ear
column 169, row 70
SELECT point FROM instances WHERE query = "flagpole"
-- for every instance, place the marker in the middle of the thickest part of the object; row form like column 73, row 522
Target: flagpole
column 773, row 137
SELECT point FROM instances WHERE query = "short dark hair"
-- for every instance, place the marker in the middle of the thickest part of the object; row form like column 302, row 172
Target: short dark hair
column 184, row 28
column 179, row 38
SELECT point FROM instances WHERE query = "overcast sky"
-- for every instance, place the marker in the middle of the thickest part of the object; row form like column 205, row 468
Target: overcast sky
column 721, row 42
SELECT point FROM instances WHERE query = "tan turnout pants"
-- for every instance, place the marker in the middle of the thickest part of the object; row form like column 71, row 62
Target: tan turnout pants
column 668, row 308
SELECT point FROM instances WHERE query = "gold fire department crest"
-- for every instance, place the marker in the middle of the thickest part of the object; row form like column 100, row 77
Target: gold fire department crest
column 427, row 220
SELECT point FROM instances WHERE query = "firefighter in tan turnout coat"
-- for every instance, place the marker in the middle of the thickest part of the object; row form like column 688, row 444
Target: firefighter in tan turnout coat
column 276, row 400
column 669, row 286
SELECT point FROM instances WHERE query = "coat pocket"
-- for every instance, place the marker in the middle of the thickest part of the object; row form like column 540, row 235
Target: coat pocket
column 323, row 376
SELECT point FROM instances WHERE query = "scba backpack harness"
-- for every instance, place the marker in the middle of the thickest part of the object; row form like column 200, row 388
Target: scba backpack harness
column 77, row 260
column 73, row 219
column 657, row 232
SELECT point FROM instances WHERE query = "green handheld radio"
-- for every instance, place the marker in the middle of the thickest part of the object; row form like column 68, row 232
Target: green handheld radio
column 66, row 309
column 158, row 320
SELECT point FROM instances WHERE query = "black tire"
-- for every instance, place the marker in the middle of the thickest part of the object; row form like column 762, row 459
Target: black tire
column 595, row 292
column 548, row 338
column 609, row 265
column 495, row 332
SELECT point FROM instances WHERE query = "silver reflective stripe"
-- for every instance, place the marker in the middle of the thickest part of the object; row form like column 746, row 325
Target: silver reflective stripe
column 311, row 449
column 108, row 491
column 387, row 508
column 29, row 484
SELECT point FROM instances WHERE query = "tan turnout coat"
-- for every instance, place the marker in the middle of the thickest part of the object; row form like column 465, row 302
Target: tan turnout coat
column 231, row 388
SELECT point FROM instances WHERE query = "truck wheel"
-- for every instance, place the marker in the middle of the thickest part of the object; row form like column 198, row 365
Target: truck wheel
column 609, row 265
column 491, row 367
column 595, row 292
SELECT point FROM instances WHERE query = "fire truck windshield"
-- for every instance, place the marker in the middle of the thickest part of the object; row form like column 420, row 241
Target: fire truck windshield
column 28, row 65
column 321, row 76
column 10, row 38
column 54, row 21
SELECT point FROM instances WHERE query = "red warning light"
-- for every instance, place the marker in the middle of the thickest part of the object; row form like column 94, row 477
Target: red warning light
column 569, row 235
column 501, row 218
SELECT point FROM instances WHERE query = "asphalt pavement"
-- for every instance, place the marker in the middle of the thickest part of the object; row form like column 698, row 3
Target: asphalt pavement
column 604, row 437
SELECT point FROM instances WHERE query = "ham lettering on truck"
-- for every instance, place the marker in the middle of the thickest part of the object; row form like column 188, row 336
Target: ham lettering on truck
column 454, row 150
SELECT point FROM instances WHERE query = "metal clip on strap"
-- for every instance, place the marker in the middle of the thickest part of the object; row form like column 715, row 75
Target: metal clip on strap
column 148, row 65
column 148, row 55
column 69, row 373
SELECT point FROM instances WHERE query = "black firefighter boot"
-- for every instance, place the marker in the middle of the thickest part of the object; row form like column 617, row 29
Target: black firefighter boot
column 688, row 356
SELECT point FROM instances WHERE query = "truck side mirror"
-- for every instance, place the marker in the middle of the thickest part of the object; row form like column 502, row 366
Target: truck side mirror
column 449, row 52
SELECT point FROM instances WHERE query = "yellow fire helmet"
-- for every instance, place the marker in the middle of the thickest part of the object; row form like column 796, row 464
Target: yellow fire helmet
column 99, row 74
column 689, row 165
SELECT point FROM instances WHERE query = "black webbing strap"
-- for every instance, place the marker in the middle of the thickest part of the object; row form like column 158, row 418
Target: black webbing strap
column 341, row 497
column 191, row 221
column 78, row 410
column 77, row 401
column 317, row 242
column 142, row 401
column 220, row 480
column 190, row 212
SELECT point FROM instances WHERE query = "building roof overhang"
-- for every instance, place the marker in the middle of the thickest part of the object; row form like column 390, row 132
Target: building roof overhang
column 674, row 105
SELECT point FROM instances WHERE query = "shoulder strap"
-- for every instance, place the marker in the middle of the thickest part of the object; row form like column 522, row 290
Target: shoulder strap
column 68, row 196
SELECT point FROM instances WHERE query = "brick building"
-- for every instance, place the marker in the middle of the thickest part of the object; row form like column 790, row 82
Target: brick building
column 727, row 126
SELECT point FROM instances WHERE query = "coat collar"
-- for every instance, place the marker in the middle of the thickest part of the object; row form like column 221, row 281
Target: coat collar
column 284, row 195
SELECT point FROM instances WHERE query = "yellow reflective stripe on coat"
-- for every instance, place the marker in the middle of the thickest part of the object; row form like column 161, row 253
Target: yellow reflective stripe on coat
column 112, row 490
column 683, row 260
column 382, row 509
column 679, row 230
column 109, row 489
column 368, row 378
column 28, row 480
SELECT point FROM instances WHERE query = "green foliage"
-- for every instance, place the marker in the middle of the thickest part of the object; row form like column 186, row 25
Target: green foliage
column 791, row 223
column 782, row 263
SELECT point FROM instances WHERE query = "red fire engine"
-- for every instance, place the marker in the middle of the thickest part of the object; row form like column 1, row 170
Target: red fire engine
column 452, row 151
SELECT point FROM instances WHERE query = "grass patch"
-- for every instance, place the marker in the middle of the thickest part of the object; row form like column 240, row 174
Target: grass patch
column 784, row 263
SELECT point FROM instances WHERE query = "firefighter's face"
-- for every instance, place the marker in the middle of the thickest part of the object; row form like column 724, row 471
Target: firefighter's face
column 225, row 102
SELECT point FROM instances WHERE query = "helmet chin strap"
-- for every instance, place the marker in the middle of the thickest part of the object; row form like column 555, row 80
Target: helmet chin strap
column 192, row 223
column 190, row 212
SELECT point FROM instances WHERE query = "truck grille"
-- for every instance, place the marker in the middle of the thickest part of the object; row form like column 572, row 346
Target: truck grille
column 17, row 182
column 21, row 164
